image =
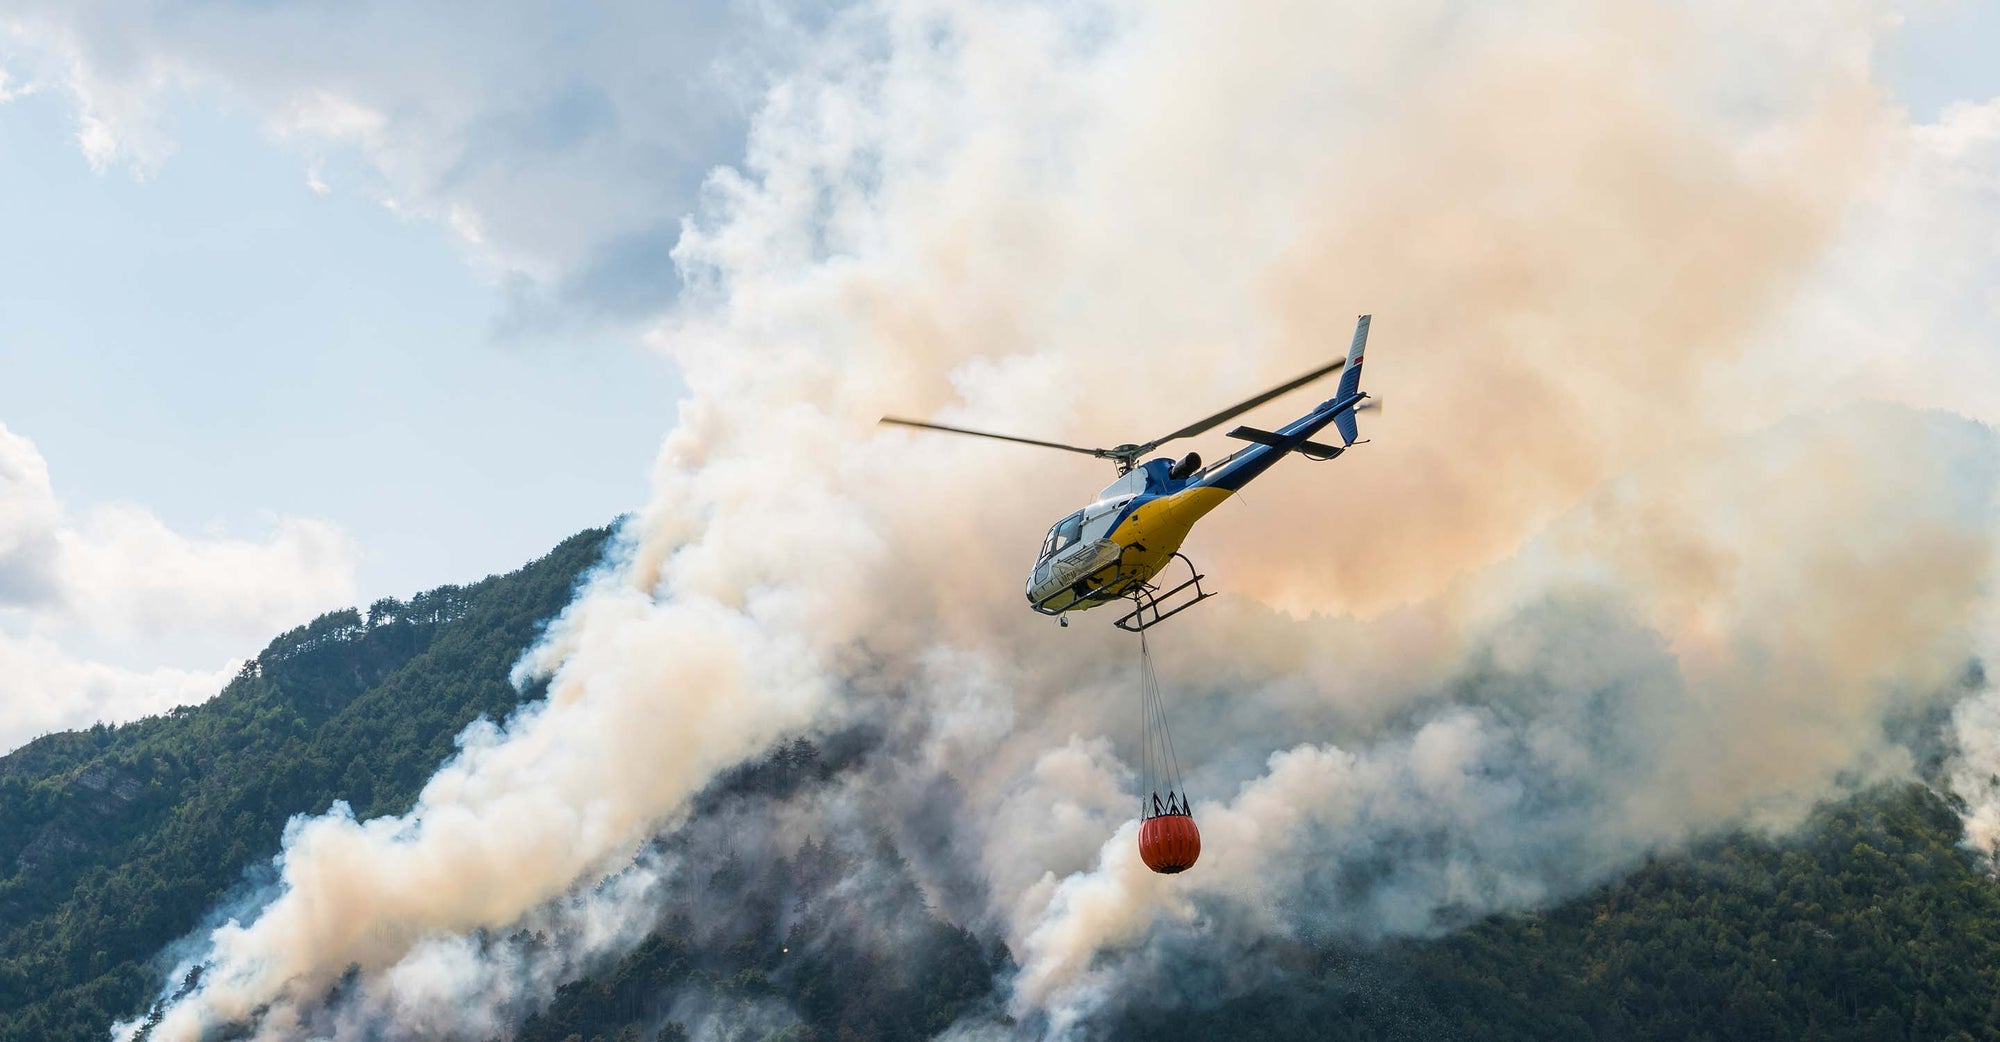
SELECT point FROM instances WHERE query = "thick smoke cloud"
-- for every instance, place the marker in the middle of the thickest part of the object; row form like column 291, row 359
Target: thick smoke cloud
column 1734, row 678
column 1623, row 563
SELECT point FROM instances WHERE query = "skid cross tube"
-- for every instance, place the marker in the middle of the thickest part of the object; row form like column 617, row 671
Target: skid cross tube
column 1146, row 599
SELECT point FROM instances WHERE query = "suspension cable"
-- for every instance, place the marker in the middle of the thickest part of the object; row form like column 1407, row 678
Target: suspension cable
column 1159, row 763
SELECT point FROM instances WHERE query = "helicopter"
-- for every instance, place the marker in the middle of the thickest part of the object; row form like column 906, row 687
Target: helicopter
column 1115, row 548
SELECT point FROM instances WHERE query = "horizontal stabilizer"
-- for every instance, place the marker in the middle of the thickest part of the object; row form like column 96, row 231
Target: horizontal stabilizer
column 1253, row 434
column 1310, row 448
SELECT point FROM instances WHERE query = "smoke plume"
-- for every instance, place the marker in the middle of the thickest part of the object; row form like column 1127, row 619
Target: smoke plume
column 1607, row 575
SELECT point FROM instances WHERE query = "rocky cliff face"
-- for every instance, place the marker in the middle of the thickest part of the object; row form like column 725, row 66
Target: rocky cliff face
column 95, row 796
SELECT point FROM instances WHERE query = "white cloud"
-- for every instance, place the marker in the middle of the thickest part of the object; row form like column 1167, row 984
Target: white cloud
column 28, row 520
column 72, row 589
column 124, row 570
column 564, row 150
column 9, row 90
column 47, row 689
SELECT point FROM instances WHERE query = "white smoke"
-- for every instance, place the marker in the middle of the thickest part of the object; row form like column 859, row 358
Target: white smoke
column 1560, row 612
column 1975, row 774
column 1619, row 713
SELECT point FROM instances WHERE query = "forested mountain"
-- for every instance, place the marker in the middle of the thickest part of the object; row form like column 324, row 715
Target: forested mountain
column 116, row 841
column 1871, row 922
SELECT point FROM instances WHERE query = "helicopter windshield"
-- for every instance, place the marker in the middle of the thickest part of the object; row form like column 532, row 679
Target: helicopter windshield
column 1066, row 532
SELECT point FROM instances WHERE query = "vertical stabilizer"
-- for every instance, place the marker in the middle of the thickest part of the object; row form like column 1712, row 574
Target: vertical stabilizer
column 1350, row 382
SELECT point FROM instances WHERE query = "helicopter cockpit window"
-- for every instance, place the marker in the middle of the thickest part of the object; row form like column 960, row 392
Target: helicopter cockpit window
column 1066, row 532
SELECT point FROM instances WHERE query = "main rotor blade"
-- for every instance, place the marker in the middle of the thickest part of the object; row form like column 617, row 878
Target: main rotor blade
column 1242, row 407
column 921, row 425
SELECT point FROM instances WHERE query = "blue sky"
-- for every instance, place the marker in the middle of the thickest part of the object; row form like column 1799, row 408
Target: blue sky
column 219, row 343
column 327, row 313
column 1943, row 52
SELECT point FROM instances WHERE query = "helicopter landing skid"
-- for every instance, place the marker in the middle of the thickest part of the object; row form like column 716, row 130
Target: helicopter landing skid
column 1151, row 606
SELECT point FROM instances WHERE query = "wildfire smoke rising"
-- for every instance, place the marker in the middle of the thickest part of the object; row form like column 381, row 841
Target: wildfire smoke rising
column 1560, row 612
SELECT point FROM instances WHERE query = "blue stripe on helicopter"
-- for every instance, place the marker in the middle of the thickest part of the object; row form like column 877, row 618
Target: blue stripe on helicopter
column 1231, row 474
column 1239, row 470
